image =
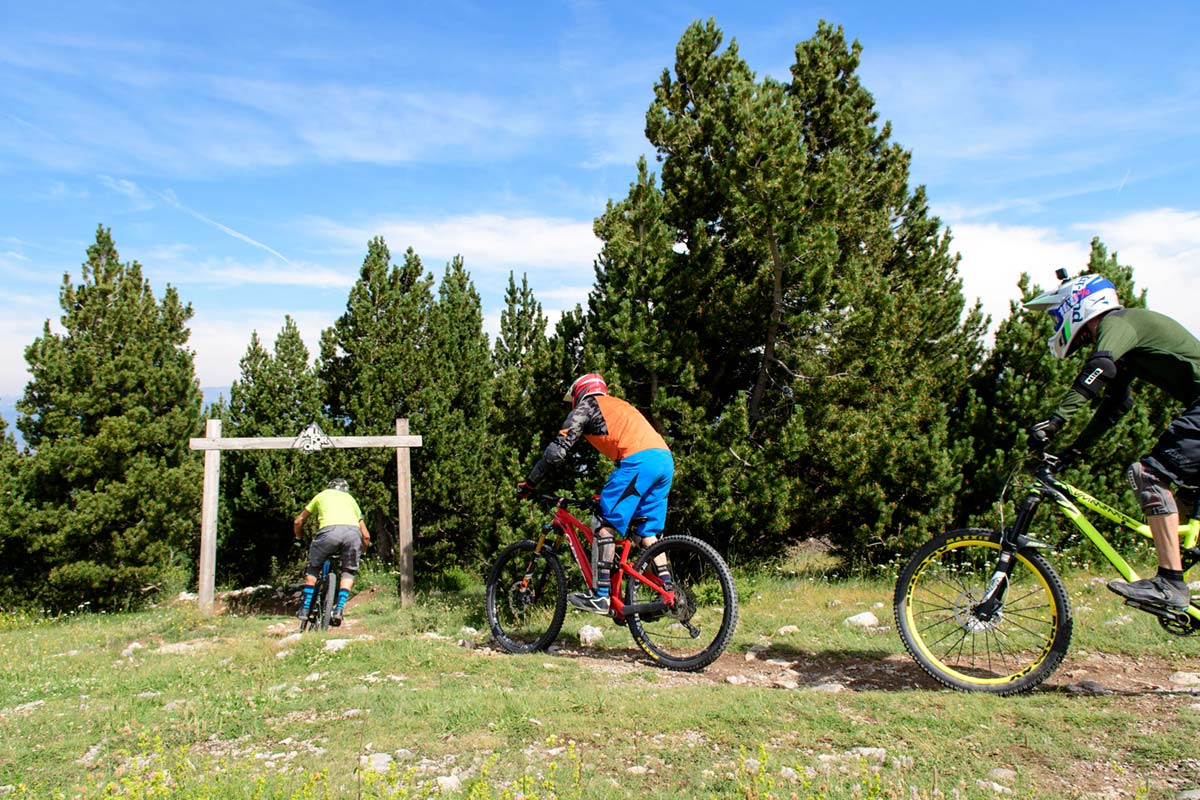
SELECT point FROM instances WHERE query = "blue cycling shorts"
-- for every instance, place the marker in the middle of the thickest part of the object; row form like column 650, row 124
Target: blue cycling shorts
column 638, row 487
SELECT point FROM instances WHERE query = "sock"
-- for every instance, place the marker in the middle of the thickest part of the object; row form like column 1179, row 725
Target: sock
column 306, row 599
column 343, row 596
column 601, row 591
column 664, row 575
column 1173, row 575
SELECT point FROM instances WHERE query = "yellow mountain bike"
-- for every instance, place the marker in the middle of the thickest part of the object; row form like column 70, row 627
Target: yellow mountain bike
column 983, row 610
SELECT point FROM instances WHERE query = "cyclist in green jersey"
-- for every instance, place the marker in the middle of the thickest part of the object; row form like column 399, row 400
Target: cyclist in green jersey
column 1131, row 343
column 341, row 528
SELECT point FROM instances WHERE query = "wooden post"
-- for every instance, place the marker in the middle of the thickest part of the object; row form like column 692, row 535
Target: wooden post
column 404, row 522
column 208, row 520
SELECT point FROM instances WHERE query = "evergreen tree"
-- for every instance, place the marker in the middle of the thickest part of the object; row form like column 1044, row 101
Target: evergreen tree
column 374, row 369
column 276, row 395
column 14, row 540
column 112, row 491
column 807, row 306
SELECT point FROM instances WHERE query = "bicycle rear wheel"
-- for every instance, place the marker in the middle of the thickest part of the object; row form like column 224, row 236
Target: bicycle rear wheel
column 1009, row 651
column 526, row 598
column 331, row 589
column 693, row 633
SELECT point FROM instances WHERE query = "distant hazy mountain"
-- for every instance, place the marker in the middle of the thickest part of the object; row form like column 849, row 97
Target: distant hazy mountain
column 8, row 407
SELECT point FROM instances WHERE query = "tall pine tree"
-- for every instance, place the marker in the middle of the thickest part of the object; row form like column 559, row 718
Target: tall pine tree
column 112, row 491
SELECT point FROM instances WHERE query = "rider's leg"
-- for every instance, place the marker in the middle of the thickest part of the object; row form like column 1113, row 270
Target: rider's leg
column 1167, row 587
column 306, row 594
column 351, row 543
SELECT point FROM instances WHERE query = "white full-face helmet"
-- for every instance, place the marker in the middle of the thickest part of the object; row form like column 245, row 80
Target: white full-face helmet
column 1072, row 305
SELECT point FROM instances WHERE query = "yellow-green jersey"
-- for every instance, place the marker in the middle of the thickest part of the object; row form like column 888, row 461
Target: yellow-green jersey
column 333, row 507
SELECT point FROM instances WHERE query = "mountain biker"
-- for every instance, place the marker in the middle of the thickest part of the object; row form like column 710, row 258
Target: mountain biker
column 638, row 487
column 340, row 527
column 1131, row 343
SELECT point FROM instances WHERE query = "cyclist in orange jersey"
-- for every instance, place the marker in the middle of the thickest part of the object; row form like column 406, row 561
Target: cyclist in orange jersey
column 638, row 487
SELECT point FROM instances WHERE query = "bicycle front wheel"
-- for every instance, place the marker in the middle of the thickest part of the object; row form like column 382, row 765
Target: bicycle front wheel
column 1008, row 650
column 695, row 631
column 526, row 598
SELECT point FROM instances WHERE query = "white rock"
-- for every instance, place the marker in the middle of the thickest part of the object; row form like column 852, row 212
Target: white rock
column 870, row 753
column 877, row 605
column 467, row 630
column 149, row 694
column 993, row 786
column 404, row 754
column 312, row 677
column 786, row 683
column 590, row 634
column 751, row 765
column 830, row 688
column 131, row 649
column 1003, row 774
column 376, row 762
column 864, row 620
column 737, row 680
column 283, row 654
column 1185, row 678
column 333, row 645
column 187, row 597
column 789, row 774
column 449, row 783
column 638, row 769
column 295, row 637
column 787, row 629
column 1189, row 794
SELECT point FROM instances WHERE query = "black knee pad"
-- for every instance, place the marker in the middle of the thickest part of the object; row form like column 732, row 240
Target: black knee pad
column 1152, row 493
column 313, row 572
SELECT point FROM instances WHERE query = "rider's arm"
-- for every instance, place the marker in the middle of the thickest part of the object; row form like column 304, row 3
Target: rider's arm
column 581, row 420
column 366, row 536
column 1116, row 404
column 298, row 523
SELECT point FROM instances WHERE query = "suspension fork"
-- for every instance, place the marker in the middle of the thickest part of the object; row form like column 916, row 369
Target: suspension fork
column 993, row 594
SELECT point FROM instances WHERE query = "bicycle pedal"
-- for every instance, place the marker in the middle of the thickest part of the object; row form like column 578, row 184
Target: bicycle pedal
column 1160, row 611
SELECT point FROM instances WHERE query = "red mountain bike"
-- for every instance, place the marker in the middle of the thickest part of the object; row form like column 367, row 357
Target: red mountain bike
column 684, row 625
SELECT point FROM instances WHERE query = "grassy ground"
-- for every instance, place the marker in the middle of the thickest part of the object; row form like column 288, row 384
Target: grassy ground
column 168, row 703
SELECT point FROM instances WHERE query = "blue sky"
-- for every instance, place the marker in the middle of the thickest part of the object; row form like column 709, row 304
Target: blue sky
column 246, row 152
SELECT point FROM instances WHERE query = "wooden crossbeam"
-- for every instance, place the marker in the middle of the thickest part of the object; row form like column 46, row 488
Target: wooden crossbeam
column 310, row 440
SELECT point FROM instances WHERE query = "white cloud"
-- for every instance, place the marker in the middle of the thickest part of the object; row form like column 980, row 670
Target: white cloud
column 488, row 242
column 1162, row 246
column 220, row 337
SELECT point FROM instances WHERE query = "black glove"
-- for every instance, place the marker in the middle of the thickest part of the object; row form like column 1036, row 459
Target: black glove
column 1067, row 457
column 525, row 490
column 1040, row 433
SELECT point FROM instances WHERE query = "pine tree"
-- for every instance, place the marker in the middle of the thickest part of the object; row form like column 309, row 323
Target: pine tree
column 374, row 369
column 15, row 545
column 277, row 394
column 113, row 492
column 806, row 303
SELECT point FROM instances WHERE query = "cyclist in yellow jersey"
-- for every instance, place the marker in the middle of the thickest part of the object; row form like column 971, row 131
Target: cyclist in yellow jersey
column 340, row 528
column 638, row 487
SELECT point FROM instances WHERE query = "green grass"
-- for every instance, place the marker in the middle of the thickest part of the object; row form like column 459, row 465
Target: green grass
column 82, row 714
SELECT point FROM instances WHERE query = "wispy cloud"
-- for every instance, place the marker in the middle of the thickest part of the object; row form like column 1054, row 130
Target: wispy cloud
column 173, row 201
column 140, row 199
column 489, row 242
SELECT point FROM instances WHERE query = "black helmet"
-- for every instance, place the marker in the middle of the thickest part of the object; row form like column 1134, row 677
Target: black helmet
column 338, row 484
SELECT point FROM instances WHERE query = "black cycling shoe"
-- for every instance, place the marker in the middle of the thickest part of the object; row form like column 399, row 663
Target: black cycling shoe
column 589, row 601
column 1156, row 591
column 335, row 618
column 302, row 613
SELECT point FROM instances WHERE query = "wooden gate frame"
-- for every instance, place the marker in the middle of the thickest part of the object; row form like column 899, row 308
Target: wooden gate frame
column 311, row 439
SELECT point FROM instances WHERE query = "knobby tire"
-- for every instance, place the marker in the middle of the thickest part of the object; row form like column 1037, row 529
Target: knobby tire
column 695, row 633
column 1013, row 651
column 526, row 598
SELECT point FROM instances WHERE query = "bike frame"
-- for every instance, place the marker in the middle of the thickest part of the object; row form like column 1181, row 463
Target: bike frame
column 576, row 534
column 1066, row 497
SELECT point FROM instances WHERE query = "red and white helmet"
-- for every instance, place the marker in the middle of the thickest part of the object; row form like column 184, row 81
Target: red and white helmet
column 583, row 386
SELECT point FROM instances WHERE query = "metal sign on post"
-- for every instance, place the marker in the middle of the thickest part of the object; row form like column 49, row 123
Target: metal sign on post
column 311, row 440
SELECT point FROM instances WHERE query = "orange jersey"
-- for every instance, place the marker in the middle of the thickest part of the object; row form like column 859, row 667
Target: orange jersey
column 614, row 427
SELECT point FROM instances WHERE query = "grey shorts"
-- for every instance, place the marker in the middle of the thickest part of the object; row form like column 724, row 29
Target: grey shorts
column 343, row 539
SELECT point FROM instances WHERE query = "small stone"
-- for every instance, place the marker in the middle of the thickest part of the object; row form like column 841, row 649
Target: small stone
column 312, row 677
column 864, row 620
column 789, row 774
column 638, row 769
column 870, row 753
column 404, row 754
column 877, row 605
column 376, row 762
column 449, row 783
column 467, row 630
column 333, row 645
column 1188, row 794
column 148, row 694
column 788, row 629
column 993, row 786
column 1003, row 774
column 829, row 688
column 786, row 683
column 737, row 680
column 1089, row 687
column 589, row 635
column 1185, row 678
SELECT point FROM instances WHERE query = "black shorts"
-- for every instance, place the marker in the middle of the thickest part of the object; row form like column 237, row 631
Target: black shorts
column 1176, row 455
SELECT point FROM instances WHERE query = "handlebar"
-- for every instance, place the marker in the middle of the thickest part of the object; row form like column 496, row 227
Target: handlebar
column 549, row 500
